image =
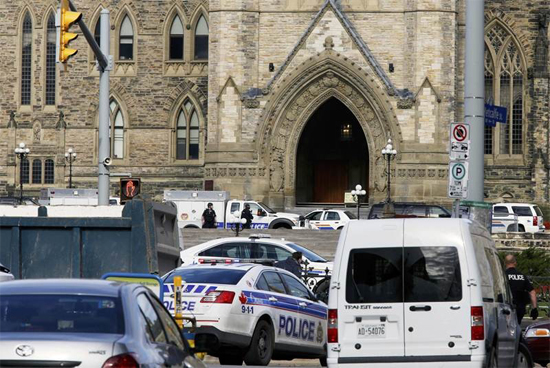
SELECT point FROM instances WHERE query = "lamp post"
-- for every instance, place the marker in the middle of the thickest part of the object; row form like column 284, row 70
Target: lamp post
column 358, row 192
column 389, row 154
column 70, row 157
column 22, row 153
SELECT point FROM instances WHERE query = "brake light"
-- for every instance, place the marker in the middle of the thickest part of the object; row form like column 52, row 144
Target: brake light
column 478, row 329
column 201, row 261
column 535, row 220
column 121, row 361
column 217, row 296
column 332, row 326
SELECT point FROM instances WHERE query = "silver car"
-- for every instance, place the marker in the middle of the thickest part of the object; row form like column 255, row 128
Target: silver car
column 87, row 323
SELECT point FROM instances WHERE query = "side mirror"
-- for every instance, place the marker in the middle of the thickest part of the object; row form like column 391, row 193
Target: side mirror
column 301, row 218
column 263, row 213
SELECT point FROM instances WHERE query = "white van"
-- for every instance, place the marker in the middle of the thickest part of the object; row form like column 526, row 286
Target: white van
column 419, row 293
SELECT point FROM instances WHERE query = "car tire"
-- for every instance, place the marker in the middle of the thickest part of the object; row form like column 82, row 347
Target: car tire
column 261, row 346
column 323, row 361
column 231, row 360
column 525, row 360
column 321, row 290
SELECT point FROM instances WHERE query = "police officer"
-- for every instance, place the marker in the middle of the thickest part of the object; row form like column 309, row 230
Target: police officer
column 293, row 264
column 521, row 287
column 246, row 214
column 209, row 218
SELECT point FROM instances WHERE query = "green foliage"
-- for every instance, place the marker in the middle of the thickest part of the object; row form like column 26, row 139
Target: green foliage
column 532, row 261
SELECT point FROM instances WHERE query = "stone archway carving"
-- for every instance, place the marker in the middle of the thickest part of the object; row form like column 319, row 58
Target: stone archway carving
column 292, row 108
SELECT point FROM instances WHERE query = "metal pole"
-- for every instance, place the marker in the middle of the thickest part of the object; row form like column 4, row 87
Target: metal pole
column 389, row 178
column 358, row 199
column 104, row 145
column 21, row 179
column 474, row 95
column 70, row 172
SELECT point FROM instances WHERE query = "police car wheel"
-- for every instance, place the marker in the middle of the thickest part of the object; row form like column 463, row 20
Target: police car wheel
column 261, row 347
column 231, row 360
column 323, row 362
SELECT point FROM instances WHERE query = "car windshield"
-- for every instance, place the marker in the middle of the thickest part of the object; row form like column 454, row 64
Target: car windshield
column 313, row 257
column 206, row 275
column 266, row 207
column 61, row 313
column 350, row 215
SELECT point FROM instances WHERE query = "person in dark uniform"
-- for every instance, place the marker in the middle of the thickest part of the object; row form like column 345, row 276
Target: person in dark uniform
column 293, row 264
column 522, row 290
column 246, row 214
column 209, row 218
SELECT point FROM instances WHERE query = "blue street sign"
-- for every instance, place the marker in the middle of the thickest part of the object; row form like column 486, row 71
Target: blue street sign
column 494, row 114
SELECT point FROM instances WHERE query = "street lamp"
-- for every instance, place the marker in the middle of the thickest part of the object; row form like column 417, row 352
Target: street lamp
column 70, row 157
column 389, row 154
column 358, row 192
column 22, row 153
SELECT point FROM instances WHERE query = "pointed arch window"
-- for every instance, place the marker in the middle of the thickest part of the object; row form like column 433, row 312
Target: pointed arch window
column 37, row 171
column 201, row 39
column 50, row 60
column 97, row 32
column 26, row 59
column 187, row 132
column 126, row 40
column 176, row 39
column 25, row 174
column 49, row 171
column 116, row 130
column 504, row 86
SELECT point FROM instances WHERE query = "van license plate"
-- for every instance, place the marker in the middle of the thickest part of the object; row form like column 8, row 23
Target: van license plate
column 372, row 331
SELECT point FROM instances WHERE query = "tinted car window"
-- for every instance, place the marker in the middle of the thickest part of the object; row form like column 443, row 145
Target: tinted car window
column 61, row 313
column 500, row 209
column 436, row 211
column 207, row 275
column 418, row 211
column 538, row 211
column 155, row 332
column 274, row 282
column 332, row 216
column 432, row 274
column 522, row 210
column 313, row 257
column 315, row 216
column 350, row 215
column 261, row 284
column 255, row 209
column 230, row 250
column 295, row 287
column 375, row 276
column 172, row 330
column 270, row 251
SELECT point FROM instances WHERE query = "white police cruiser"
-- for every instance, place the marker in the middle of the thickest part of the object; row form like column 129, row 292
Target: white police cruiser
column 257, row 248
column 328, row 219
column 250, row 312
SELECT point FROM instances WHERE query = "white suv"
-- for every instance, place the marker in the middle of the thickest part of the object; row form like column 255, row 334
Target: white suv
column 530, row 217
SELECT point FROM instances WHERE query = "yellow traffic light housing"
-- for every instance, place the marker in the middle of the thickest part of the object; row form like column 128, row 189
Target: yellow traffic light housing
column 66, row 18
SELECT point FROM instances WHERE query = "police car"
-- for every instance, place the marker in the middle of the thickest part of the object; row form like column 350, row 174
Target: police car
column 257, row 248
column 328, row 219
column 250, row 312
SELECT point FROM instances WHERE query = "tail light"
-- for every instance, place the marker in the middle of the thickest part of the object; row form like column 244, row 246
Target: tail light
column 478, row 329
column 535, row 220
column 332, row 326
column 217, row 296
column 121, row 361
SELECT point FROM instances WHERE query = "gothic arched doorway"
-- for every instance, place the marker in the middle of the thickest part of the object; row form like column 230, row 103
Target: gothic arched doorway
column 332, row 156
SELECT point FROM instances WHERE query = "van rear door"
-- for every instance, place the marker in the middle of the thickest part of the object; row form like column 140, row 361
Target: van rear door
column 370, row 313
column 437, row 299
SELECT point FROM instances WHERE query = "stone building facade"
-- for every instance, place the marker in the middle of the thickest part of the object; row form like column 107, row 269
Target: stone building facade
column 292, row 103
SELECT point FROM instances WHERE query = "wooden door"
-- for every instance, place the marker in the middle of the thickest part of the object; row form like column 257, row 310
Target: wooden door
column 331, row 181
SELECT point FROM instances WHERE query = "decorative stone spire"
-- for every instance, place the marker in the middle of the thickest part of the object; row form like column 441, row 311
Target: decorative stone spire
column 12, row 123
column 61, row 124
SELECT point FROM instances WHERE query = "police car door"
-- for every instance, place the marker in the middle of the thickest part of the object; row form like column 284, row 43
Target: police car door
column 332, row 220
column 280, row 305
column 260, row 216
column 309, row 324
column 314, row 219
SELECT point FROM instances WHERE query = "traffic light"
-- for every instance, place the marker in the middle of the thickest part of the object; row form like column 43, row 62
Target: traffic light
column 129, row 188
column 66, row 18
